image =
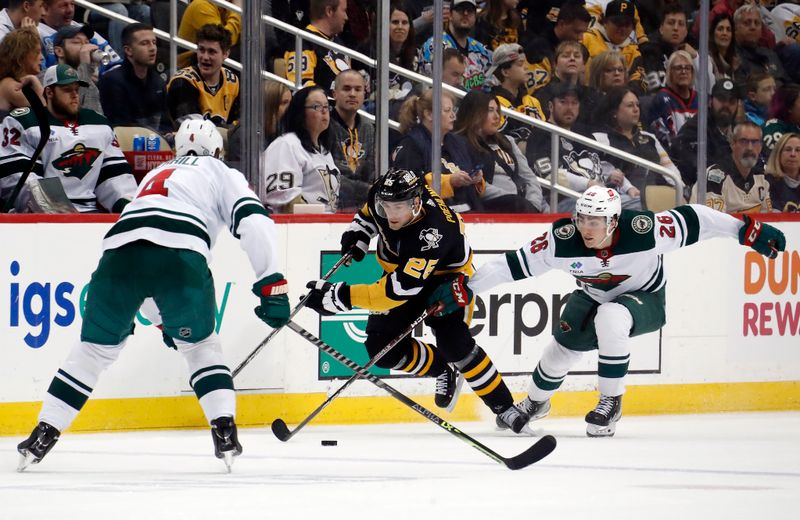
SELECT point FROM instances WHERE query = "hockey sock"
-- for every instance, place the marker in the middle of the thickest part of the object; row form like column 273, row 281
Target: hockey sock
column 552, row 369
column 485, row 380
column 424, row 360
column 210, row 379
column 613, row 324
column 74, row 382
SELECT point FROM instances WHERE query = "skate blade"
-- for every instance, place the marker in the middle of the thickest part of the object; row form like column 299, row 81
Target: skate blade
column 454, row 401
column 25, row 460
column 227, row 458
column 593, row 430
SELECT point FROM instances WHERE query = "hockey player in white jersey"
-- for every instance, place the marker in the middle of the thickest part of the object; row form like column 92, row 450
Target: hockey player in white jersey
column 160, row 249
column 82, row 150
column 616, row 257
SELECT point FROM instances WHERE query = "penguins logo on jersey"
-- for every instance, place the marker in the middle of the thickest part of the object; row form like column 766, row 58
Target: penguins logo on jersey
column 431, row 236
column 585, row 162
column 76, row 162
column 642, row 224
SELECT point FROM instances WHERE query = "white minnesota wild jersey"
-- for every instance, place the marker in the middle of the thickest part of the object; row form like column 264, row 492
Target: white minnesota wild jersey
column 294, row 175
column 184, row 204
column 633, row 262
column 786, row 22
column 83, row 153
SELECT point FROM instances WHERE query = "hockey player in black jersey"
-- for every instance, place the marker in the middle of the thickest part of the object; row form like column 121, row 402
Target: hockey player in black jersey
column 421, row 245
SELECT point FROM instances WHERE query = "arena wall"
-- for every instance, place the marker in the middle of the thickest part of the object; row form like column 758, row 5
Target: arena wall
column 731, row 341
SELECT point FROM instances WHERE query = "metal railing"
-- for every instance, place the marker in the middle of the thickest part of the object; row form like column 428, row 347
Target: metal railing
column 300, row 35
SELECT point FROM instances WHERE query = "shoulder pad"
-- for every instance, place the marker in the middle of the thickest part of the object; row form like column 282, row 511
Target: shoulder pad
column 430, row 238
column 715, row 174
column 188, row 73
column 24, row 117
column 230, row 76
column 564, row 228
column 642, row 224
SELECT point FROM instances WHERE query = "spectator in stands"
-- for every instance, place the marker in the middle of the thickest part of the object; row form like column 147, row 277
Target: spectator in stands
column 72, row 46
column 737, row 183
column 747, row 21
column 20, row 64
column 499, row 23
column 320, row 65
column 82, row 151
column 60, row 13
column 457, row 36
column 462, row 182
column 298, row 167
column 276, row 100
column 541, row 49
column 597, row 9
column 508, row 71
column 453, row 68
column 139, row 10
column 721, row 48
column 511, row 185
column 784, row 115
column 606, row 71
column 206, row 90
column 723, row 107
column 579, row 166
column 201, row 13
column 783, row 174
column 134, row 94
column 616, row 122
column 295, row 13
column 613, row 33
column 421, row 12
column 676, row 102
column 727, row 8
column 20, row 14
column 570, row 68
column 760, row 89
column 354, row 141
column 671, row 36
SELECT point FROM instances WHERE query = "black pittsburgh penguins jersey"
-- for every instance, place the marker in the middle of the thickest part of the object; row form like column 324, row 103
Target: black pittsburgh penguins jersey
column 415, row 257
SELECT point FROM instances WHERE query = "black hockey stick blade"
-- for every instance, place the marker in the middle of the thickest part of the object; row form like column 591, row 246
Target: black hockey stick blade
column 42, row 118
column 280, row 430
column 532, row 455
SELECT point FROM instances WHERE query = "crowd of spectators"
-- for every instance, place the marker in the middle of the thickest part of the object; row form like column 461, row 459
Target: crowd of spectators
column 624, row 73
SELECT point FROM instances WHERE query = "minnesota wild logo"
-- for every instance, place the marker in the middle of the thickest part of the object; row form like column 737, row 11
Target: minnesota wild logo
column 604, row 281
column 76, row 162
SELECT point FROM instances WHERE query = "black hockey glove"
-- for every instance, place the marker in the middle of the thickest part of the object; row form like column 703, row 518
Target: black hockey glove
column 767, row 240
column 356, row 243
column 328, row 298
column 451, row 296
column 274, row 308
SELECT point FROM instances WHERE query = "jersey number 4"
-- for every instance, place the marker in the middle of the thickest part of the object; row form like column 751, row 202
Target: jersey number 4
column 155, row 186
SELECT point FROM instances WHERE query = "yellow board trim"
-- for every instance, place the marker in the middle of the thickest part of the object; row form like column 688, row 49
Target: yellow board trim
column 261, row 409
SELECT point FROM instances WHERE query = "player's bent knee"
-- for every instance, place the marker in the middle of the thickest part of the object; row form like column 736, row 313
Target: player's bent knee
column 401, row 352
column 613, row 319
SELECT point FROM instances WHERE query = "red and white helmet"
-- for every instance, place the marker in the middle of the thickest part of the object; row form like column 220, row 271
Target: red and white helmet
column 600, row 201
column 198, row 137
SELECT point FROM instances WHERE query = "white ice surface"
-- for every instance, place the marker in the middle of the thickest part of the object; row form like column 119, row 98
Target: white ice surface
column 726, row 466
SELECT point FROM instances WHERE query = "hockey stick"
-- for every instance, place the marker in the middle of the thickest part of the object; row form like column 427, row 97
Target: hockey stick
column 279, row 427
column 542, row 448
column 343, row 260
column 42, row 118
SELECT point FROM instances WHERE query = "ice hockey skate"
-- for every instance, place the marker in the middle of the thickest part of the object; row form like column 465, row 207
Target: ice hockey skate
column 226, row 440
column 448, row 386
column 33, row 449
column 513, row 418
column 602, row 421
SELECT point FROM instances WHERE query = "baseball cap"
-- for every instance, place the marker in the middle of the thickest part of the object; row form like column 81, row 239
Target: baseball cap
column 564, row 88
column 724, row 89
column 62, row 74
column 620, row 10
column 503, row 54
column 70, row 31
column 459, row 3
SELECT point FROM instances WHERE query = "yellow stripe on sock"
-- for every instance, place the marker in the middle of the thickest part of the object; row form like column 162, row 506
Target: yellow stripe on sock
column 497, row 380
column 409, row 367
column 478, row 369
column 430, row 361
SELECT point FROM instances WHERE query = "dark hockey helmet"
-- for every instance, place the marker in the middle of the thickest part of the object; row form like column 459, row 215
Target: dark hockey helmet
column 398, row 185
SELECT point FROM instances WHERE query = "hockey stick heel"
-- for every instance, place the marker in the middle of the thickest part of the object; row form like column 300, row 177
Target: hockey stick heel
column 535, row 453
column 280, row 430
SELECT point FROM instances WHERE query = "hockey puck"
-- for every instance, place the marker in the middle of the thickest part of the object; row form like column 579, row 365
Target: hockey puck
column 330, row 443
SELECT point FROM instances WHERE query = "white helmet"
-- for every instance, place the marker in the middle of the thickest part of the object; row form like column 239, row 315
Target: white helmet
column 599, row 201
column 198, row 137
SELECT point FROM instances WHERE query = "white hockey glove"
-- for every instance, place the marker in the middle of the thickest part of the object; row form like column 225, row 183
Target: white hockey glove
column 328, row 298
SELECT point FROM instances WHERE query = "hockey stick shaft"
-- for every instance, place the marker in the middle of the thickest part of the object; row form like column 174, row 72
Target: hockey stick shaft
column 43, row 121
column 279, row 426
column 538, row 451
column 342, row 261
